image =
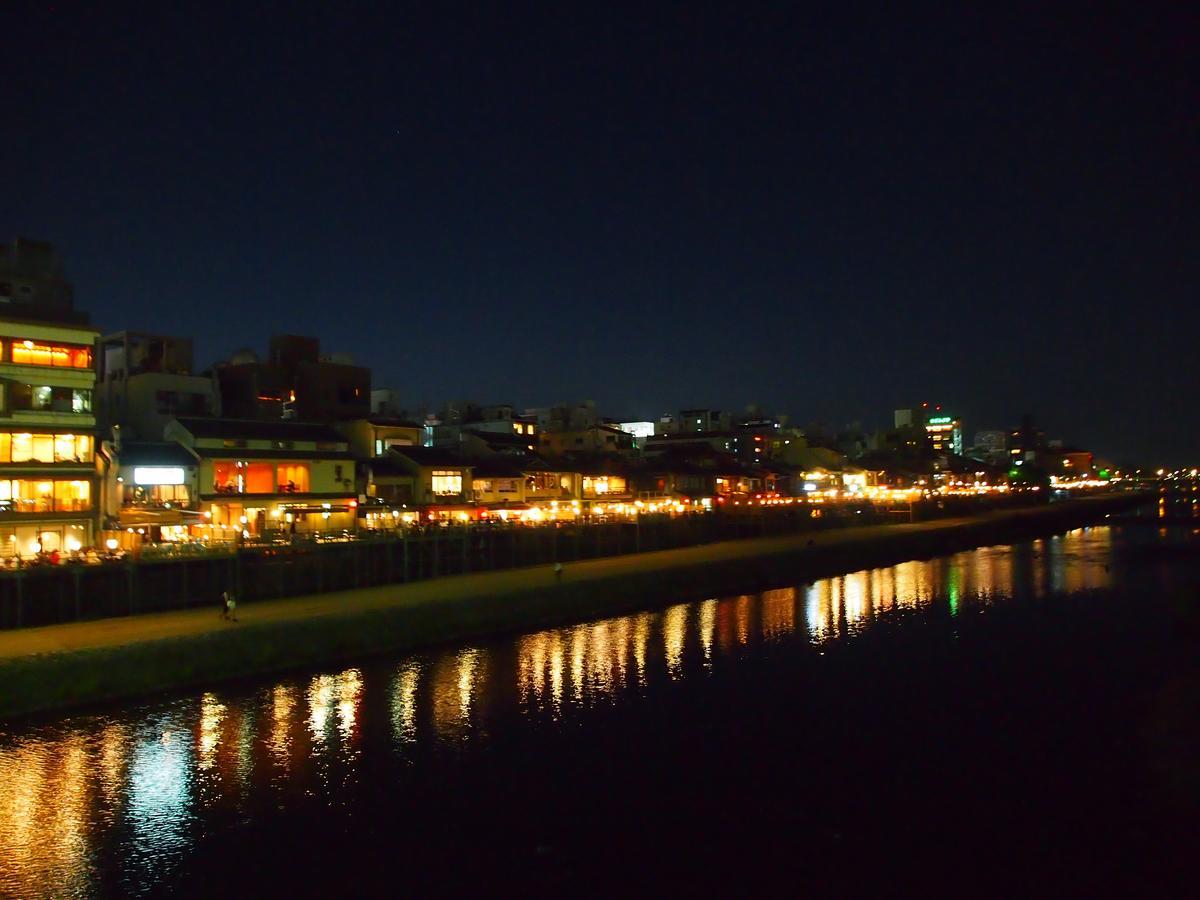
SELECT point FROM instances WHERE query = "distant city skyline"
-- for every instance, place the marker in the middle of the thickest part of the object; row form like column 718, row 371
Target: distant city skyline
column 829, row 215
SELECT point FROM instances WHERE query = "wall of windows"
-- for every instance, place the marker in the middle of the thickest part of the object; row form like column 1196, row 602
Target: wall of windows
column 177, row 495
column 545, row 481
column 598, row 485
column 17, row 447
column 29, row 540
column 44, row 398
column 237, row 476
column 447, row 483
column 292, row 478
column 62, row 356
column 28, row 495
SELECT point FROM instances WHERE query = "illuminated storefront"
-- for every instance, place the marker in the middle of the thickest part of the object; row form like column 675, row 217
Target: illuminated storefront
column 30, row 540
column 269, row 479
column 149, row 493
column 57, row 501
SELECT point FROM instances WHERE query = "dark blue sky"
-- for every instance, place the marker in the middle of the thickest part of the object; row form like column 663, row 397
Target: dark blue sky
column 831, row 213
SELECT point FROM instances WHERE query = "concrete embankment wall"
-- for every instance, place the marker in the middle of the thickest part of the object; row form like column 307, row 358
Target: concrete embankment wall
column 390, row 619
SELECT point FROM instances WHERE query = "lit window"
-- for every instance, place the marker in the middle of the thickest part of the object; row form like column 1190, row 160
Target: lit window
column 65, row 357
column 447, row 483
column 292, row 478
column 27, row 496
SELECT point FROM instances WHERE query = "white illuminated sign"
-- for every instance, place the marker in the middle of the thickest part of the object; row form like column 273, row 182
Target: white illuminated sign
column 638, row 429
column 158, row 475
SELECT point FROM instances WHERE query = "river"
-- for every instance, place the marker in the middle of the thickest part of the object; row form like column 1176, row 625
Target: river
column 1008, row 719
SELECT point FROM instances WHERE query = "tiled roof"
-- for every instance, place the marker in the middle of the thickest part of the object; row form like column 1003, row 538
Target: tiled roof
column 433, row 456
column 253, row 429
column 255, row 453
column 155, row 453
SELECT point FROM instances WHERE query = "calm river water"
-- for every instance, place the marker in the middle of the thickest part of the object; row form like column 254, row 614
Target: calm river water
column 1009, row 719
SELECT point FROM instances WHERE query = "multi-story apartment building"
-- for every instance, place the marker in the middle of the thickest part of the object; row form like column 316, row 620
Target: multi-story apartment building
column 47, row 428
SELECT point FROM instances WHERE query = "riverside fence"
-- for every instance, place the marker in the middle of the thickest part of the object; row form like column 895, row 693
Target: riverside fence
column 45, row 595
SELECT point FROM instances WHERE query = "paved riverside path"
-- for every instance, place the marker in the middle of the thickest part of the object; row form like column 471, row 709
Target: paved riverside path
column 130, row 630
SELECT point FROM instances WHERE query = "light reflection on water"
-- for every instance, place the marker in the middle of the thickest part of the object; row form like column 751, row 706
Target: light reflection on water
column 144, row 784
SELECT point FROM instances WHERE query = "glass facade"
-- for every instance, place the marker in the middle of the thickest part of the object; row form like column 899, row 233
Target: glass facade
column 29, row 540
column 20, row 447
column 61, row 356
column 238, row 476
column 45, row 398
column 599, row 485
column 45, row 495
column 154, row 495
column 447, row 483
column 292, row 478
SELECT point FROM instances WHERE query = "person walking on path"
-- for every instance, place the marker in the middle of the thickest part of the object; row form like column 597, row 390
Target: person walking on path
column 558, row 572
column 228, row 606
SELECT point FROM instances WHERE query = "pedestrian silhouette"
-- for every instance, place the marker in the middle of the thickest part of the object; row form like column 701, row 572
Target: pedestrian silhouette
column 228, row 606
column 558, row 571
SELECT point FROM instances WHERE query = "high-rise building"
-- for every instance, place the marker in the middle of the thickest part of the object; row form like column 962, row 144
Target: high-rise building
column 47, row 379
column 944, row 432
column 1026, row 440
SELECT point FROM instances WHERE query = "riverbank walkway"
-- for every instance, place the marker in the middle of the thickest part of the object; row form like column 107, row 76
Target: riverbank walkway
column 107, row 633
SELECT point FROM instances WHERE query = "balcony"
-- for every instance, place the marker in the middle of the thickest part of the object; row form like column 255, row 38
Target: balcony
column 157, row 504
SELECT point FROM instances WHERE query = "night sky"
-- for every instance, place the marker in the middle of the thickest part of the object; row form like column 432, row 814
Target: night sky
column 831, row 213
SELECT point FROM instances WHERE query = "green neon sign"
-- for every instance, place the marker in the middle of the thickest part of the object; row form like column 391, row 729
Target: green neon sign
column 941, row 420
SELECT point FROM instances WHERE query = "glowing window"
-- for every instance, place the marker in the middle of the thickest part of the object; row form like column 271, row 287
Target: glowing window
column 58, row 355
column 293, row 478
column 447, row 483
column 73, row 448
column 43, row 447
column 22, row 447
column 260, row 478
column 21, row 495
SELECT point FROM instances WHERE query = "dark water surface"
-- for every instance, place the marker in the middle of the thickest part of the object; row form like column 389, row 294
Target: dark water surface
column 1011, row 720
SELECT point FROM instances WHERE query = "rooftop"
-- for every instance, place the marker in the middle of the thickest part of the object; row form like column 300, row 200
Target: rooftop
column 432, row 456
column 256, row 430
column 155, row 453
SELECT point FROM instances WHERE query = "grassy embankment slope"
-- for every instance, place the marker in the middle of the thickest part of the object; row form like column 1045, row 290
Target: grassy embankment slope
column 68, row 665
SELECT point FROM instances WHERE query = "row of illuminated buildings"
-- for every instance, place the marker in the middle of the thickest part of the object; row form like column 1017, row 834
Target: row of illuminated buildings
column 118, row 438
